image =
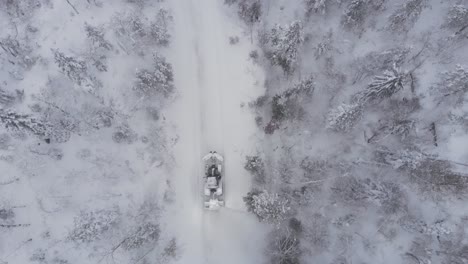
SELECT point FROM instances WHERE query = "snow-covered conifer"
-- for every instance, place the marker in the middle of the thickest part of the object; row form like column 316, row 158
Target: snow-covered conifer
column 285, row 45
column 344, row 117
column 8, row 98
column 382, row 86
column 250, row 11
column 91, row 226
column 22, row 122
column 453, row 85
column 18, row 51
column 158, row 80
column 159, row 29
column 268, row 207
column 378, row 61
column 355, row 15
column 457, row 17
column 144, row 234
column 317, row 6
column 96, row 35
column 404, row 18
column 77, row 71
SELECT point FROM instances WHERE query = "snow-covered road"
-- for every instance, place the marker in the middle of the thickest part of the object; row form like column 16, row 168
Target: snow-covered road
column 213, row 79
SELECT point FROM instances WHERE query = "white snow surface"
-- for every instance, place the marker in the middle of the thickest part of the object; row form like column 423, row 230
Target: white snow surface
column 214, row 80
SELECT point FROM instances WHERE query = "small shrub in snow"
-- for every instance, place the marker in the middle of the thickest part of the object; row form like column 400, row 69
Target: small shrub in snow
column 255, row 165
column 344, row 117
column 39, row 255
column 457, row 17
column 144, row 234
column 270, row 208
column 171, row 249
column 91, row 226
column 233, row 40
column 259, row 102
column 6, row 214
column 254, row 55
column 123, row 134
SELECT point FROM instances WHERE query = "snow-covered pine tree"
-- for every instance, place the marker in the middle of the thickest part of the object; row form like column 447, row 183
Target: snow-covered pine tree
column 250, row 11
column 96, row 35
column 8, row 98
column 378, row 61
column 398, row 127
column 382, row 87
column 402, row 159
column 316, row 6
column 22, row 122
column 77, row 71
column 158, row 80
column 452, row 86
column 90, row 226
column 404, row 18
column 159, row 29
column 344, row 117
column 18, row 52
column 44, row 130
column 285, row 44
column 268, row 207
column 457, row 18
column 142, row 235
column 355, row 191
column 355, row 15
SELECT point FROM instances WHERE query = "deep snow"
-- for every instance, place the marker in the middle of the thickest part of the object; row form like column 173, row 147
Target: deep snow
column 215, row 80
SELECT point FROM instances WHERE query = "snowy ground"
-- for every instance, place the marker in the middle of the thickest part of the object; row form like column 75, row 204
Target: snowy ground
column 214, row 79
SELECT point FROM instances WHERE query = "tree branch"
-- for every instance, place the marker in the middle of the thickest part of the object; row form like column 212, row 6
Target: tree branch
column 14, row 225
column 73, row 7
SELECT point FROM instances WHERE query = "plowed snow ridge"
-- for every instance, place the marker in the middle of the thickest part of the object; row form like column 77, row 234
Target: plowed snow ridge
column 213, row 79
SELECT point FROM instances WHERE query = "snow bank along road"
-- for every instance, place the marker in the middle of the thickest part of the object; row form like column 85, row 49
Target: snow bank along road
column 213, row 78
